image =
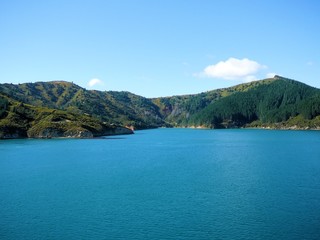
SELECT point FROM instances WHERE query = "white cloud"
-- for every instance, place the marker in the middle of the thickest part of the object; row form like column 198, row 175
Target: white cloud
column 95, row 81
column 270, row 75
column 250, row 78
column 233, row 69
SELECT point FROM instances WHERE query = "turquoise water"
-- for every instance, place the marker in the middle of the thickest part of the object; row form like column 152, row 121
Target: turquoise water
column 163, row 184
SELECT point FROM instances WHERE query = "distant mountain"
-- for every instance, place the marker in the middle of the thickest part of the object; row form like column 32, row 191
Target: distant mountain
column 277, row 102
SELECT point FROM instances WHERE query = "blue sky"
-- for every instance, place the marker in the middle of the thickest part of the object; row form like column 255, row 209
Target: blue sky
column 159, row 47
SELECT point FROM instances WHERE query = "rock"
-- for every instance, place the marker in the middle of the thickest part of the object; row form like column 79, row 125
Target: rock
column 45, row 133
column 116, row 130
column 51, row 132
column 81, row 133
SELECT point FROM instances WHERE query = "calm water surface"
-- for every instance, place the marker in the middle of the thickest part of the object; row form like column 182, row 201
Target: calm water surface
column 163, row 184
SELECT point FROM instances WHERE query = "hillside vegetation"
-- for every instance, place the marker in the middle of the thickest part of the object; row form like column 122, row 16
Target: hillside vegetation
column 121, row 108
column 178, row 110
column 20, row 120
column 63, row 108
column 277, row 102
column 272, row 103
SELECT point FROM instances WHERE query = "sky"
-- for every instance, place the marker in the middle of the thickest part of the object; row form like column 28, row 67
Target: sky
column 159, row 48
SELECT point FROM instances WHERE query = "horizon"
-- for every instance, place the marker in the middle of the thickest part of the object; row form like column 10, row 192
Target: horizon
column 156, row 49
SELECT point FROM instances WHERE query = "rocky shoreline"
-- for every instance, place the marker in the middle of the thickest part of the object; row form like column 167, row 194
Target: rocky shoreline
column 295, row 127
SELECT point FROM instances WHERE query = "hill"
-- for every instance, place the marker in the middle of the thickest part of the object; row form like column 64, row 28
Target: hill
column 276, row 103
column 65, row 109
column 20, row 120
column 120, row 108
column 177, row 110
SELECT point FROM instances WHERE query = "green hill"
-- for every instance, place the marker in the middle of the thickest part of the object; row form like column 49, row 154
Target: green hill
column 20, row 120
column 62, row 108
column 178, row 110
column 278, row 103
column 122, row 108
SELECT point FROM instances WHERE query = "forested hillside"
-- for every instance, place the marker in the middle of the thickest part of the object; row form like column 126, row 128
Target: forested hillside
column 277, row 103
column 20, row 120
column 272, row 103
column 122, row 108
column 179, row 109
column 281, row 101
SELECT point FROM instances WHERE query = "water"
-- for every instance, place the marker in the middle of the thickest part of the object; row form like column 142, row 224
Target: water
column 163, row 184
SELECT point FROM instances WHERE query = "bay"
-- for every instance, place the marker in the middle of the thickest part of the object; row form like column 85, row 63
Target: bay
column 163, row 184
